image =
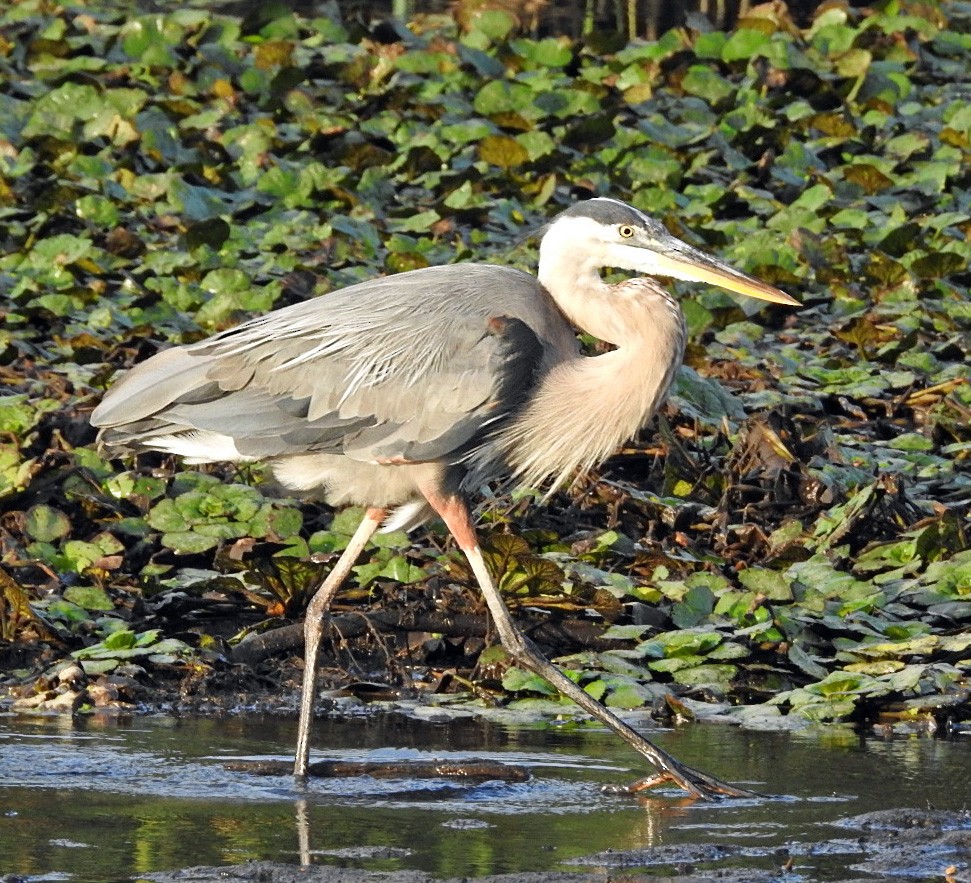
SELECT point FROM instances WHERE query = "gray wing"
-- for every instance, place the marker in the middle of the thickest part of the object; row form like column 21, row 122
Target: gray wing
column 406, row 368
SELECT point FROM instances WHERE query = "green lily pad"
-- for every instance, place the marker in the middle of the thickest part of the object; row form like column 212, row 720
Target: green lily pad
column 89, row 597
column 46, row 524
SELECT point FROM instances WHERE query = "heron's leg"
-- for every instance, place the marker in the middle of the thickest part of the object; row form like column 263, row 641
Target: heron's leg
column 313, row 630
column 454, row 511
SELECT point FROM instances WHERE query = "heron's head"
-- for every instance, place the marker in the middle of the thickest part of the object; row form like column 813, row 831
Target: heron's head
column 602, row 232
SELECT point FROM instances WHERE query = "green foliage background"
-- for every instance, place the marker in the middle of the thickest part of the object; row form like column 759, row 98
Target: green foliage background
column 802, row 523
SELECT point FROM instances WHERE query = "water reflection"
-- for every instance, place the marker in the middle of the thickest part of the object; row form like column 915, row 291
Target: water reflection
column 106, row 798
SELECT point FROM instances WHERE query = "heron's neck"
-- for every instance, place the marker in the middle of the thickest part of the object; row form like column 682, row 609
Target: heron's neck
column 581, row 294
column 585, row 407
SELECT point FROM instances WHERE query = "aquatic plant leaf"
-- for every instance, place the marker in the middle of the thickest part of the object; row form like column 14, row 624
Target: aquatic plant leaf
column 800, row 657
column 743, row 44
column 186, row 542
column 683, row 643
column 46, row 524
column 628, row 695
column 625, row 632
column 165, row 517
column 707, row 675
column 393, row 567
column 494, row 24
column 122, row 639
column 502, row 151
column 517, row 680
column 704, row 399
column 89, row 597
column 770, row 584
column 694, row 608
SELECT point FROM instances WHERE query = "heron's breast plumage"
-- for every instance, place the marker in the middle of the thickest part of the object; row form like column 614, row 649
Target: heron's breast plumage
column 584, row 407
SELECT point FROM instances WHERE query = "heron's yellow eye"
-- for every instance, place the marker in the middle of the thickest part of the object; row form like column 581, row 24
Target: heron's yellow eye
column 626, row 231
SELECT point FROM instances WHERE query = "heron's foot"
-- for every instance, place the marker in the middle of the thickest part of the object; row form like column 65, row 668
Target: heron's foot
column 696, row 783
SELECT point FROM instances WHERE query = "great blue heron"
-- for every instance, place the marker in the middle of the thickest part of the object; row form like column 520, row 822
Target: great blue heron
column 406, row 393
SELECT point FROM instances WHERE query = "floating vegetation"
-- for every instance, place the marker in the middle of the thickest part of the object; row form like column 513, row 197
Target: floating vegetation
column 794, row 531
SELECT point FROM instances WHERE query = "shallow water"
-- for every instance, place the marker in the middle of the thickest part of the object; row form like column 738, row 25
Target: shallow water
column 104, row 798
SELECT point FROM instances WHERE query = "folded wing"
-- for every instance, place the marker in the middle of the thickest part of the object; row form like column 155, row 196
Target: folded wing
column 408, row 368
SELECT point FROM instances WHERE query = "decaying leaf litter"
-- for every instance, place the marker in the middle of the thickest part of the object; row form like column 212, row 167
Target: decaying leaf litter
column 789, row 543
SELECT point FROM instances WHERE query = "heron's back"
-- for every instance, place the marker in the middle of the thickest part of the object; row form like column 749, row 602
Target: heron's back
column 406, row 370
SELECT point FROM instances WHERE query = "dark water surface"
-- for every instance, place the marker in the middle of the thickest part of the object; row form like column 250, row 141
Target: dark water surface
column 109, row 799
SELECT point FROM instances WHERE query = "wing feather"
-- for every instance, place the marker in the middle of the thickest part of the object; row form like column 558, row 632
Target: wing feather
column 412, row 367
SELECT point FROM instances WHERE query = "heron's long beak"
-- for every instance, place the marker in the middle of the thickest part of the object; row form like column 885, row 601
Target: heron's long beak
column 692, row 265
